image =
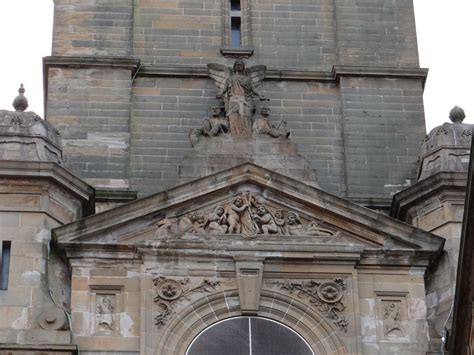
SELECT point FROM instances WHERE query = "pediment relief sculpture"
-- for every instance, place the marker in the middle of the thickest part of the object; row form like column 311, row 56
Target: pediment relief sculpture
column 247, row 214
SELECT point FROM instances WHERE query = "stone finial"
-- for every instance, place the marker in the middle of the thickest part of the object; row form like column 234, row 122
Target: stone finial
column 457, row 115
column 20, row 103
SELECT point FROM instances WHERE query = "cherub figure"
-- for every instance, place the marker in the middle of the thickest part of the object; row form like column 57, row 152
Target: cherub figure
column 164, row 227
column 237, row 88
column 279, row 218
column 262, row 125
column 295, row 227
column 199, row 223
column 217, row 221
column 265, row 221
column 210, row 126
column 234, row 214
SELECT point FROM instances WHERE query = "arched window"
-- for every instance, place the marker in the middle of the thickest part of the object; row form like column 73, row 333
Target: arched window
column 249, row 336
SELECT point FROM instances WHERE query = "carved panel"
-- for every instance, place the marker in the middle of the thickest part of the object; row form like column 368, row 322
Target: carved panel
column 170, row 292
column 325, row 296
column 105, row 310
column 392, row 316
column 247, row 214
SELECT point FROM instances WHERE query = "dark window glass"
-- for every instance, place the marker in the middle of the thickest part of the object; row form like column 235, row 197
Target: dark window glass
column 236, row 33
column 248, row 336
column 234, row 5
column 4, row 265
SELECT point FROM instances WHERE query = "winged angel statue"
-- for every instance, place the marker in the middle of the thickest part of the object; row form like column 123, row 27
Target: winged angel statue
column 237, row 88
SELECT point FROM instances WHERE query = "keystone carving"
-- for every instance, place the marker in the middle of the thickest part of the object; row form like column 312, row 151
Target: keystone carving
column 326, row 297
column 169, row 292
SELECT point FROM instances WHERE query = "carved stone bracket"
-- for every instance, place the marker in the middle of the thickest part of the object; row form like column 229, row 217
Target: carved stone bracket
column 326, row 297
column 170, row 292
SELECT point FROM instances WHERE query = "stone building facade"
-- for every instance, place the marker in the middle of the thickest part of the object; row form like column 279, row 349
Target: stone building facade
column 136, row 219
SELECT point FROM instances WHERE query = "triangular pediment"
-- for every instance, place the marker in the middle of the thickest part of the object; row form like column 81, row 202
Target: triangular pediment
column 253, row 205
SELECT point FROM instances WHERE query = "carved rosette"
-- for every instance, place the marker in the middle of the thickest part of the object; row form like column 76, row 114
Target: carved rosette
column 169, row 293
column 325, row 297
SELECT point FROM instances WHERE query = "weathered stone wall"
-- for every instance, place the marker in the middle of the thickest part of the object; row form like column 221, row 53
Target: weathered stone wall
column 383, row 122
column 93, row 27
column 105, row 300
column 32, row 307
column 127, row 129
column 91, row 109
column 303, row 34
column 376, row 33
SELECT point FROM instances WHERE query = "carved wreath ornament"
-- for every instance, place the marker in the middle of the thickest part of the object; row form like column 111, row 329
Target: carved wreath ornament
column 169, row 292
column 324, row 296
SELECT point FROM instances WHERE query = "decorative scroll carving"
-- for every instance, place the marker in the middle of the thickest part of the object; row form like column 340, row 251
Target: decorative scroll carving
column 247, row 214
column 324, row 296
column 169, row 292
column 52, row 318
column 392, row 316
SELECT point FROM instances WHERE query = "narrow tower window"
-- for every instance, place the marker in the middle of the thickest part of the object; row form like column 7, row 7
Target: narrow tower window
column 235, row 24
column 4, row 264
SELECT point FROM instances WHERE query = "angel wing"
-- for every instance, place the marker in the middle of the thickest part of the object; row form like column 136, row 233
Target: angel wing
column 257, row 74
column 219, row 73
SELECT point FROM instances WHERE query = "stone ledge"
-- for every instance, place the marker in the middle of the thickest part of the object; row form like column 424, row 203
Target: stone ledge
column 139, row 69
column 55, row 173
column 421, row 190
column 107, row 195
column 26, row 349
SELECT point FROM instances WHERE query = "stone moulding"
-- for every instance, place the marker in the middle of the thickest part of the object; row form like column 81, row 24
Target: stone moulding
column 140, row 69
column 324, row 296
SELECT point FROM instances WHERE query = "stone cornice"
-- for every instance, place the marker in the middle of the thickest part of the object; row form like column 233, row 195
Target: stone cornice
column 95, row 62
column 54, row 173
column 339, row 71
column 140, row 69
column 421, row 190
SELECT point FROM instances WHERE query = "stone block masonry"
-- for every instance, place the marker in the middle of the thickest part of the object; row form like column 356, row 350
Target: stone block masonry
column 361, row 132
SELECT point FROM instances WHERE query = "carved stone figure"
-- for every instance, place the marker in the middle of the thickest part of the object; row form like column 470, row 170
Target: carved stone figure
column 262, row 125
column 280, row 221
column 234, row 214
column 295, row 227
column 265, row 221
column 104, row 313
column 248, row 214
column 217, row 221
column 392, row 317
column 210, row 126
column 237, row 90
column 199, row 223
column 164, row 227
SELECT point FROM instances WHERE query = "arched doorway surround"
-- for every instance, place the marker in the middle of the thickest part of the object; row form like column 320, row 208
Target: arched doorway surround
column 195, row 318
column 249, row 336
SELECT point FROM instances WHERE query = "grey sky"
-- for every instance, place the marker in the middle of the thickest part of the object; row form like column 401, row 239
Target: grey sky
column 444, row 41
